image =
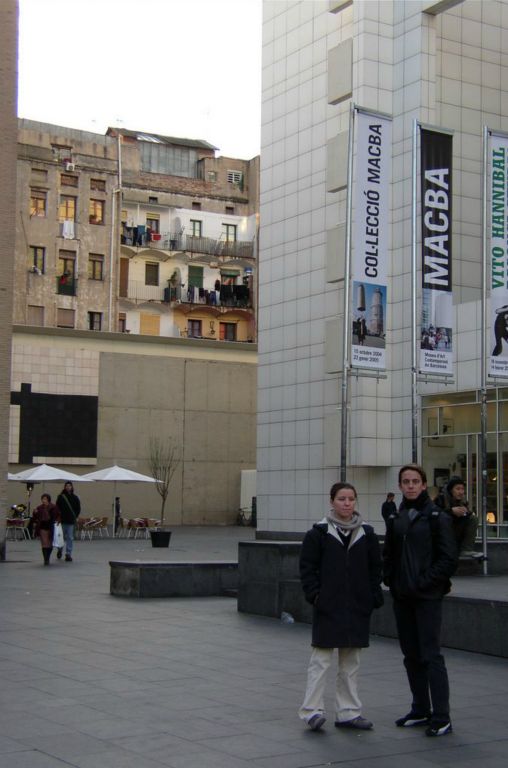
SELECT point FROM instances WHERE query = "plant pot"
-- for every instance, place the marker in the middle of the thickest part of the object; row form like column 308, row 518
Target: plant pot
column 160, row 538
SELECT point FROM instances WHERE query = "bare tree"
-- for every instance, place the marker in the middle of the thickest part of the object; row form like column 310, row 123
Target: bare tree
column 163, row 460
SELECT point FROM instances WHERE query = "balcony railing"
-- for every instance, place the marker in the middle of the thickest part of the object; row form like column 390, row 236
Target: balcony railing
column 229, row 296
column 66, row 286
column 241, row 249
column 138, row 291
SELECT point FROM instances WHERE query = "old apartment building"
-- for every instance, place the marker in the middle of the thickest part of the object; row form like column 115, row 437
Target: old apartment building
column 134, row 232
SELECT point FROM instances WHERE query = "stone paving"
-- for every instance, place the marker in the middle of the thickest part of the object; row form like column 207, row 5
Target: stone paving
column 92, row 681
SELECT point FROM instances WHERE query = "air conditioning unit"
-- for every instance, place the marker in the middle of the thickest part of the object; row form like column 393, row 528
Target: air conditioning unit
column 69, row 166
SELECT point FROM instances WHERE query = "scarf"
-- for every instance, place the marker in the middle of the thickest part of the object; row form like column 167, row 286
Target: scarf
column 351, row 525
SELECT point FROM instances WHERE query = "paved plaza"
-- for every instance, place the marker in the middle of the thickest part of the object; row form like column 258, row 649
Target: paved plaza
column 92, row 681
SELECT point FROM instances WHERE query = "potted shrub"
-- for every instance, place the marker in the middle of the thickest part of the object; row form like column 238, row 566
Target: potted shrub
column 163, row 461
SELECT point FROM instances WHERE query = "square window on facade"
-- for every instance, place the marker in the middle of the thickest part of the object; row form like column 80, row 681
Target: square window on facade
column 38, row 201
column 236, row 178
column 95, row 321
column 229, row 233
column 67, row 264
column 196, row 206
column 96, row 210
column 151, row 273
column 230, row 210
column 98, row 185
column 212, row 176
column 95, row 266
column 153, row 222
column 68, row 180
column 153, row 199
column 35, row 315
column 37, row 259
column 228, row 331
column 65, row 318
column 67, row 208
column 122, row 322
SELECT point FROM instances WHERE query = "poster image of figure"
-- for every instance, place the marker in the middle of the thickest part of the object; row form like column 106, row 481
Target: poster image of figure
column 368, row 327
column 500, row 331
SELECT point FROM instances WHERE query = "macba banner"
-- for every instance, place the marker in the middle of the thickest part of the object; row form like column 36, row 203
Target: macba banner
column 436, row 327
column 370, row 254
column 498, row 244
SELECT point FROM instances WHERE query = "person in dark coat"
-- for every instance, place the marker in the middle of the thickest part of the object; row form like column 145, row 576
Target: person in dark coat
column 388, row 507
column 340, row 570
column 464, row 521
column 45, row 516
column 420, row 556
column 69, row 506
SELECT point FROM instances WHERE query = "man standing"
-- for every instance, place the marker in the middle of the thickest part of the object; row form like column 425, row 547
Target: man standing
column 464, row 521
column 420, row 555
column 388, row 507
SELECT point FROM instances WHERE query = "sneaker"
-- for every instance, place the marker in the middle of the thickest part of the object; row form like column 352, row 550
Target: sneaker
column 439, row 728
column 68, row 559
column 412, row 719
column 316, row 722
column 360, row 723
column 59, row 554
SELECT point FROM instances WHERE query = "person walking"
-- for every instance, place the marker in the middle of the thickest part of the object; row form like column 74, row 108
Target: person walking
column 464, row 522
column 420, row 556
column 69, row 507
column 388, row 507
column 340, row 569
column 45, row 516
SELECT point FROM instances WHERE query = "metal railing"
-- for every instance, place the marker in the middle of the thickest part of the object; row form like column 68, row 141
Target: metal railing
column 138, row 291
column 66, row 286
column 168, row 241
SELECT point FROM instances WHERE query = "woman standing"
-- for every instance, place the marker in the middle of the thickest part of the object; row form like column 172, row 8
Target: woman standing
column 70, row 507
column 340, row 569
column 45, row 516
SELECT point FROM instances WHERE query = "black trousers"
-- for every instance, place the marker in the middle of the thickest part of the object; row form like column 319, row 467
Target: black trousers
column 419, row 629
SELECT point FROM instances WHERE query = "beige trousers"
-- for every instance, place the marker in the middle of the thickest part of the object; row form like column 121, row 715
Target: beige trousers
column 347, row 703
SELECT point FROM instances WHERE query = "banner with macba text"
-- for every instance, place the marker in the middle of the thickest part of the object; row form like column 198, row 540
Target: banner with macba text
column 371, row 236
column 498, row 221
column 436, row 328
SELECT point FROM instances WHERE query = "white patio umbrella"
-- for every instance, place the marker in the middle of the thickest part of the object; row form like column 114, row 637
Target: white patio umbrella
column 116, row 474
column 43, row 473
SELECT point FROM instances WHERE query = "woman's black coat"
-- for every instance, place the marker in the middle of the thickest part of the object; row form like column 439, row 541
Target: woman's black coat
column 343, row 583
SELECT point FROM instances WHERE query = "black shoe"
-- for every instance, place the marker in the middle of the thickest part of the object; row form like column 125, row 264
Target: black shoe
column 59, row 554
column 439, row 728
column 360, row 723
column 68, row 559
column 412, row 719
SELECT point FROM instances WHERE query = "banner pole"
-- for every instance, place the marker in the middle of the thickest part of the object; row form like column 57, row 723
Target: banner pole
column 483, row 353
column 347, row 302
column 414, row 363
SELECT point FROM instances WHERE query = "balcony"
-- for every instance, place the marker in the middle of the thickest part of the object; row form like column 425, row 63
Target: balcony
column 168, row 241
column 229, row 296
column 66, row 286
column 138, row 291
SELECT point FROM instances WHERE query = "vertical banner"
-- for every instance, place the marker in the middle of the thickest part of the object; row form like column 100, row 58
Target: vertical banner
column 436, row 331
column 498, row 249
column 370, row 256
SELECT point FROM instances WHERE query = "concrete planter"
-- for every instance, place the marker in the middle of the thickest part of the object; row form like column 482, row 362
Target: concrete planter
column 160, row 538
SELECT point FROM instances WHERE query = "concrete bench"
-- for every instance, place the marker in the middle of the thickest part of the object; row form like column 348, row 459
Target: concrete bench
column 137, row 578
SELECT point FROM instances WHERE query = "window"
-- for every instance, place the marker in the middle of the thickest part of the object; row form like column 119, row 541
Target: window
column 67, row 208
column 236, row 178
column 228, row 331
column 195, row 276
column 122, row 322
column 196, row 206
column 96, row 211
column 229, row 233
column 37, row 259
column 212, row 175
column 153, row 221
column 65, row 318
column 162, row 158
column 35, row 315
column 194, row 328
column 99, row 185
column 67, row 264
column 196, row 228
column 151, row 273
column 38, row 202
column 67, row 180
column 95, row 321
column 153, row 199
column 230, row 210
column 95, row 266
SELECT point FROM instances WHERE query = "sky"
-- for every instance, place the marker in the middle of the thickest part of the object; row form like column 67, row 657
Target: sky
column 183, row 68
